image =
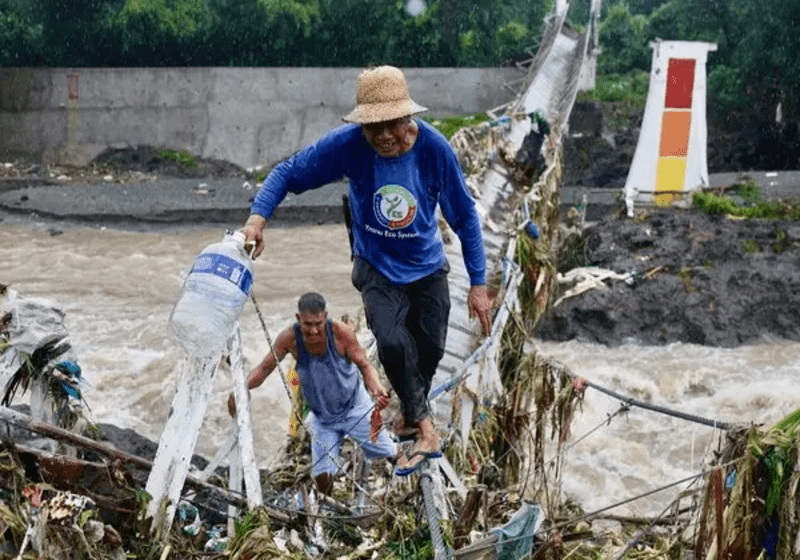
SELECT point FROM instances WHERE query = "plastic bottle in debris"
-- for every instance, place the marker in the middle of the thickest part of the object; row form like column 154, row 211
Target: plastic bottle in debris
column 213, row 295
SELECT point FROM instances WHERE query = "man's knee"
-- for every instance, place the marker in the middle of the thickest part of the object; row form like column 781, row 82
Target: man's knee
column 391, row 341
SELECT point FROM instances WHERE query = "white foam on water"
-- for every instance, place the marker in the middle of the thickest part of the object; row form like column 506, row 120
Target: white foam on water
column 643, row 450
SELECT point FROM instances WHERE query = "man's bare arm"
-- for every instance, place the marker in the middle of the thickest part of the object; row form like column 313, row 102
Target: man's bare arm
column 284, row 343
column 355, row 353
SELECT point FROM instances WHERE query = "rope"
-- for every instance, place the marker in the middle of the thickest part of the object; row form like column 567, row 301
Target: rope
column 605, row 422
column 271, row 346
column 629, row 500
column 595, row 513
column 642, row 532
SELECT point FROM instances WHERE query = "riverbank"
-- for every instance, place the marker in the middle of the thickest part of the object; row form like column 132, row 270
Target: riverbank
column 679, row 276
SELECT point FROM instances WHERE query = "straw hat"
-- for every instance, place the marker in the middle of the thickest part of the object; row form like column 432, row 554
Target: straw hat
column 382, row 95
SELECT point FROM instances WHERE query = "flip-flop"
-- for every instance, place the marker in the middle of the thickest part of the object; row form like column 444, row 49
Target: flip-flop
column 405, row 471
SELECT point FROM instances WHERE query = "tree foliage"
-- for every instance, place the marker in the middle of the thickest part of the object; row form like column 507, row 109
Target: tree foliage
column 269, row 32
column 625, row 36
column 18, row 37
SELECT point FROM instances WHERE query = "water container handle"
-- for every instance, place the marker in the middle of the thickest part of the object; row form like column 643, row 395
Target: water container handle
column 250, row 248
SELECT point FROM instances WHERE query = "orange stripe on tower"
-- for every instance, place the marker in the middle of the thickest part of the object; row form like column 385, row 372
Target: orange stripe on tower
column 675, row 126
column 675, row 133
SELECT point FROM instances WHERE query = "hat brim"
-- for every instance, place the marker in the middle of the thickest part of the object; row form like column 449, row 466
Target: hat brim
column 366, row 113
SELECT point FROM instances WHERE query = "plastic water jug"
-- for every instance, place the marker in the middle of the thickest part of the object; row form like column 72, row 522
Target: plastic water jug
column 213, row 295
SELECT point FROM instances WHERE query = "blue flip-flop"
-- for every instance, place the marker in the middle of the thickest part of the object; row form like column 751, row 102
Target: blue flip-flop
column 416, row 466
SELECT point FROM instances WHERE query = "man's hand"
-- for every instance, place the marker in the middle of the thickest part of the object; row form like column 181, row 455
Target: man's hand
column 253, row 231
column 381, row 397
column 480, row 306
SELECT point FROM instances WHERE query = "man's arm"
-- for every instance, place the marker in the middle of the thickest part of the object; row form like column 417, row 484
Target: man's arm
column 314, row 166
column 355, row 353
column 459, row 210
column 283, row 344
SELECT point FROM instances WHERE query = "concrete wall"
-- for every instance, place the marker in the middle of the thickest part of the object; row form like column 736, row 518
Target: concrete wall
column 248, row 116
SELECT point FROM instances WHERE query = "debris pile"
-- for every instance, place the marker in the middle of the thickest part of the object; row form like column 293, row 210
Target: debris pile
column 750, row 502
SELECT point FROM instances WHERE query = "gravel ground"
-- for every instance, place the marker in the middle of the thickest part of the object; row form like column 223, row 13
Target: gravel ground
column 130, row 189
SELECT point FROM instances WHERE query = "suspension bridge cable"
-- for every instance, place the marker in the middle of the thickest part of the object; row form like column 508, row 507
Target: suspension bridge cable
column 661, row 409
column 642, row 404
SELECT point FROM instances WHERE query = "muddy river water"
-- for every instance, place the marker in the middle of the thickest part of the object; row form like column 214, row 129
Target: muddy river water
column 118, row 288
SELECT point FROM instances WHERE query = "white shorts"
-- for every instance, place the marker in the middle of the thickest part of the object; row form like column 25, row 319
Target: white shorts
column 326, row 439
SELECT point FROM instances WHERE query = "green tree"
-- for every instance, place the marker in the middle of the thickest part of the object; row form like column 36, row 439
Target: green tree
column 623, row 37
column 173, row 17
column 359, row 33
column 239, row 35
column 491, row 32
column 415, row 40
column 513, row 41
column 261, row 32
column 77, row 32
column 478, row 39
column 160, row 32
column 769, row 53
column 20, row 38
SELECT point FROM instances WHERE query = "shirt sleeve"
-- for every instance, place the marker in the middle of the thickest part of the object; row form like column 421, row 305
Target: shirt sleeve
column 312, row 167
column 458, row 208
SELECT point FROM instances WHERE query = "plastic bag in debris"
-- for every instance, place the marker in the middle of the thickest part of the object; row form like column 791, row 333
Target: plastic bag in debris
column 515, row 538
column 191, row 517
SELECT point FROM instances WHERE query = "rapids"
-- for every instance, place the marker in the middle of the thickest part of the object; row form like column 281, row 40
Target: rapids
column 118, row 287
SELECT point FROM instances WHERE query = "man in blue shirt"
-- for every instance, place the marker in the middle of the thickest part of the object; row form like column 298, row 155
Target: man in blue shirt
column 402, row 172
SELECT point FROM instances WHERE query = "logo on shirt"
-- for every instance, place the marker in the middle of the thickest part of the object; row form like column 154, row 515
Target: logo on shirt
column 394, row 206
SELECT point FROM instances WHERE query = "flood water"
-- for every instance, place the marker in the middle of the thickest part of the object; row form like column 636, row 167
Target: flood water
column 118, row 288
column 630, row 454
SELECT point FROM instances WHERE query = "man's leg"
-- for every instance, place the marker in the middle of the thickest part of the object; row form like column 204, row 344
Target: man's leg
column 359, row 427
column 326, row 443
column 387, row 307
column 430, row 302
column 324, row 483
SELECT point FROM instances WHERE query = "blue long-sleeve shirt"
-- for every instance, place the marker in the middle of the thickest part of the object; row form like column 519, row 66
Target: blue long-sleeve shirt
column 393, row 200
